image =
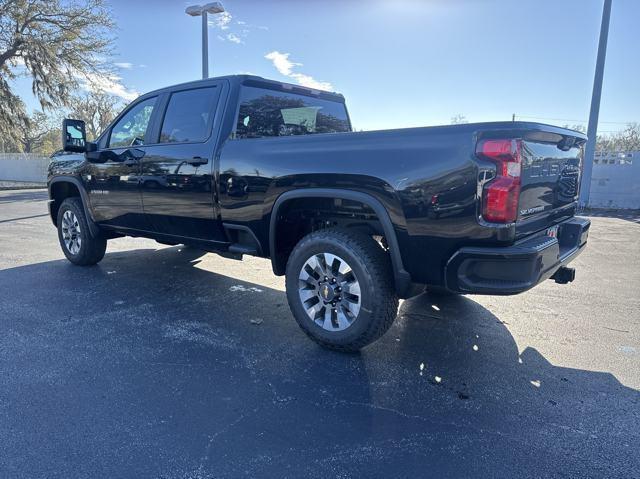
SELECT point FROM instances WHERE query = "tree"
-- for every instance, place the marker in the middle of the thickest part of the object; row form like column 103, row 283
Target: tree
column 97, row 109
column 459, row 120
column 605, row 143
column 58, row 44
column 576, row 127
column 625, row 140
column 629, row 138
column 37, row 127
column 52, row 141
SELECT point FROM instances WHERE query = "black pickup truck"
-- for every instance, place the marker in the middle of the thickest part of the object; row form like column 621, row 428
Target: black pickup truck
column 241, row 165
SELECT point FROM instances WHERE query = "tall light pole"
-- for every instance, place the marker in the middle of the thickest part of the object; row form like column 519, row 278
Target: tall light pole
column 592, row 129
column 202, row 11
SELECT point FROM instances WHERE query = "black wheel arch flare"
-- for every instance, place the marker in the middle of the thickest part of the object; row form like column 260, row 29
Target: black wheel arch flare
column 402, row 278
column 94, row 230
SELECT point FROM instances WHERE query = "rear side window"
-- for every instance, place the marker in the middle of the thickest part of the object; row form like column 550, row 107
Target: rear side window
column 273, row 113
column 189, row 115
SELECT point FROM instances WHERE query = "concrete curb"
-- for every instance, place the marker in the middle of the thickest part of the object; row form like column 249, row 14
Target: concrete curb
column 20, row 185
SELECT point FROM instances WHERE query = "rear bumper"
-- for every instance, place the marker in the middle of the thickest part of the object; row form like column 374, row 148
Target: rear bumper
column 517, row 268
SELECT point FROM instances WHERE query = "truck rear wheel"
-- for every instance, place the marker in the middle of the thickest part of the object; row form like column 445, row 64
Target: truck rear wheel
column 340, row 288
column 74, row 236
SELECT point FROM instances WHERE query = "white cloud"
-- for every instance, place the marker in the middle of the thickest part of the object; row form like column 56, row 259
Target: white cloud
column 109, row 84
column 124, row 65
column 281, row 62
column 310, row 82
column 285, row 67
column 221, row 20
column 232, row 37
column 234, row 31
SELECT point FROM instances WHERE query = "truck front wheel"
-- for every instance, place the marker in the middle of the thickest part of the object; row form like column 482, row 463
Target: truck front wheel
column 74, row 236
column 340, row 288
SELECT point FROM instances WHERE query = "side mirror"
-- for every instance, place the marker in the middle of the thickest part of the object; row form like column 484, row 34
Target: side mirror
column 74, row 136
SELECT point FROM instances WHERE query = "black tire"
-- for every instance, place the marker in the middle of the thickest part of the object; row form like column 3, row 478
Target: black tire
column 89, row 250
column 371, row 266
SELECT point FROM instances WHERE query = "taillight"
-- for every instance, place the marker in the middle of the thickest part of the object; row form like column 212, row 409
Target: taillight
column 500, row 196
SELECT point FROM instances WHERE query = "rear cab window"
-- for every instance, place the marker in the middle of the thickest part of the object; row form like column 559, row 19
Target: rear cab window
column 267, row 113
column 189, row 115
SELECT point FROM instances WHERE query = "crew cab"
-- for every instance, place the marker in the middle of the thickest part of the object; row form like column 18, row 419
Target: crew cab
column 241, row 165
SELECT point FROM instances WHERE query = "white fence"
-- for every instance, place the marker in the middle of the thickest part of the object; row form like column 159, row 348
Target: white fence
column 23, row 167
column 615, row 181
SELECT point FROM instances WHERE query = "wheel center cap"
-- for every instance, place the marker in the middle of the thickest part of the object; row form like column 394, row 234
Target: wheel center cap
column 327, row 292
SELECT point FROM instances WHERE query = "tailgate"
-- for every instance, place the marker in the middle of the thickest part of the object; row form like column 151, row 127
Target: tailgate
column 550, row 179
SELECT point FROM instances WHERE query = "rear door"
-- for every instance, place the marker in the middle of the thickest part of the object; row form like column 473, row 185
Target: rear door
column 177, row 171
column 551, row 167
column 268, row 110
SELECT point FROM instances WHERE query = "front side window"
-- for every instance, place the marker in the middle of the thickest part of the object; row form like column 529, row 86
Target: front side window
column 132, row 127
column 274, row 113
column 189, row 115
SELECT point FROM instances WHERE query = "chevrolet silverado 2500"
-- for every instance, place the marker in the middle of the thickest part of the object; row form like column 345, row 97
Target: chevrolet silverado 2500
column 241, row 165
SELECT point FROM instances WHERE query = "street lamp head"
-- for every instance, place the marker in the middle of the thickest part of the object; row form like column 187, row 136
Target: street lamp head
column 213, row 7
column 194, row 10
column 197, row 10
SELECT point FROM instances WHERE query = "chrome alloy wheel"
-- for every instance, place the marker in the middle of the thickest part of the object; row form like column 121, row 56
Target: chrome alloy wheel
column 329, row 291
column 71, row 232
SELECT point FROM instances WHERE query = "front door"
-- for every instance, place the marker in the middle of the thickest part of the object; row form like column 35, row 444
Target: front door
column 176, row 179
column 113, row 181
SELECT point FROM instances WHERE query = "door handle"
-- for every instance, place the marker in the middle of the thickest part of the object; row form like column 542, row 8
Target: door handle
column 130, row 162
column 197, row 161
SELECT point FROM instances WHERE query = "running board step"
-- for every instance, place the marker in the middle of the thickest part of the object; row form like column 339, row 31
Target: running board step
column 238, row 248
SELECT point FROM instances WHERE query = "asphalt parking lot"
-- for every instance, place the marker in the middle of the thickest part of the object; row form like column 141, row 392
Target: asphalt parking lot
column 167, row 362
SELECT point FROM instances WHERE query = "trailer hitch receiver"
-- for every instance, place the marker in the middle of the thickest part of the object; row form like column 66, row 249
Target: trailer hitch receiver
column 564, row 275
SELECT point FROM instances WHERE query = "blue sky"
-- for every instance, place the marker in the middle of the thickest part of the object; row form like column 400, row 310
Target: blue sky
column 400, row 63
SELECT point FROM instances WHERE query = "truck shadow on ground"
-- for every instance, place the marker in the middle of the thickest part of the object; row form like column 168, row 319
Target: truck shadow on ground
column 224, row 365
